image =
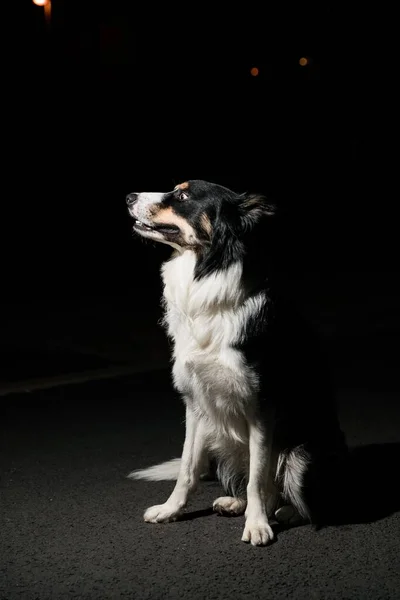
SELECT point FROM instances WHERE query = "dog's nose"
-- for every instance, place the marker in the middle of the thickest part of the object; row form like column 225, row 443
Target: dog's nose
column 131, row 198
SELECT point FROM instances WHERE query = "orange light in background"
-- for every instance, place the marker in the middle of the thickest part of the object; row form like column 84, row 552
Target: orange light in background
column 47, row 12
column 47, row 9
column 254, row 71
column 303, row 62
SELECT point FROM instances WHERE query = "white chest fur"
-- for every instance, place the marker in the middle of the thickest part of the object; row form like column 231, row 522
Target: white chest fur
column 205, row 318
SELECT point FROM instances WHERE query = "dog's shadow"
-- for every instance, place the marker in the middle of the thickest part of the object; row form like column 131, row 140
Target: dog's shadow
column 197, row 514
column 365, row 489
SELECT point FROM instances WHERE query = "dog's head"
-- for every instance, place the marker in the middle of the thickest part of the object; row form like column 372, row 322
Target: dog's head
column 196, row 215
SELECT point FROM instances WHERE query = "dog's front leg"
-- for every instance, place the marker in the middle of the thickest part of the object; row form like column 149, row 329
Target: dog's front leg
column 192, row 464
column 257, row 529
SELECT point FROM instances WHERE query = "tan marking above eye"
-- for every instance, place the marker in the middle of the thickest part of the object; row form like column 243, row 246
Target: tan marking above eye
column 182, row 186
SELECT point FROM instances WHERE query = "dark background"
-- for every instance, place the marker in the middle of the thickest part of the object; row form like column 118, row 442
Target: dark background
column 115, row 97
column 123, row 97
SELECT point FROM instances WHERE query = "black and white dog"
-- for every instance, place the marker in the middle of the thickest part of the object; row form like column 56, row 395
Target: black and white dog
column 257, row 397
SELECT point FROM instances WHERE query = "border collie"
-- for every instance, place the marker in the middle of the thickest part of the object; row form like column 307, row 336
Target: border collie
column 258, row 401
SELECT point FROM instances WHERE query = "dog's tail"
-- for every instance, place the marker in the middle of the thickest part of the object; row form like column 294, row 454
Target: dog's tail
column 165, row 471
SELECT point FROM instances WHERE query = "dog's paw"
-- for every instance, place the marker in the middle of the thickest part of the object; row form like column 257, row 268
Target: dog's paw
column 227, row 505
column 257, row 531
column 162, row 513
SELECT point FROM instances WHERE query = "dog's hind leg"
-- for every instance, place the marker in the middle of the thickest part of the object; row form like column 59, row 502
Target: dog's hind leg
column 231, row 472
column 192, row 462
column 230, row 506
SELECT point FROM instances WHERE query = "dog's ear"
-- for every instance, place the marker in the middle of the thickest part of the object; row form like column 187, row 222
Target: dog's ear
column 254, row 207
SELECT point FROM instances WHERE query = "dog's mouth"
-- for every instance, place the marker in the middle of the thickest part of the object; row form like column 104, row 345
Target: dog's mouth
column 161, row 228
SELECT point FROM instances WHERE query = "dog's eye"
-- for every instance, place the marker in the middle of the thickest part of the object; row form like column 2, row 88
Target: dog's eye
column 183, row 196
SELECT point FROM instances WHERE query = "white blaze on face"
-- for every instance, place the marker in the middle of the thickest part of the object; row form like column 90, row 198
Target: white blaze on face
column 141, row 209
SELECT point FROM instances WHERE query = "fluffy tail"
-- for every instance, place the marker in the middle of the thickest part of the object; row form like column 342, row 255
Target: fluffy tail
column 164, row 472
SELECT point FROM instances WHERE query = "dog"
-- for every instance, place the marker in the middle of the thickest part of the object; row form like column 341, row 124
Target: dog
column 257, row 396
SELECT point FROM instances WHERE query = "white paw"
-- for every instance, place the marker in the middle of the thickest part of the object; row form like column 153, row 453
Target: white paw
column 227, row 505
column 257, row 531
column 162, row 513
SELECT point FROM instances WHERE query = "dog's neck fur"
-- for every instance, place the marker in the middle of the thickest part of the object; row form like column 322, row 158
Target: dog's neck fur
column 207, row 313
column 218, row 291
